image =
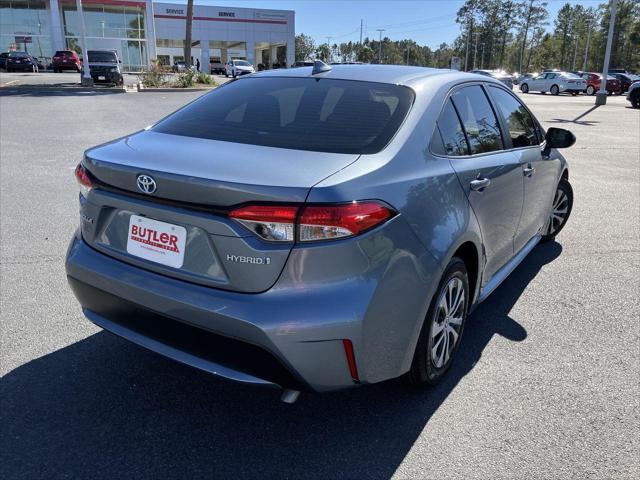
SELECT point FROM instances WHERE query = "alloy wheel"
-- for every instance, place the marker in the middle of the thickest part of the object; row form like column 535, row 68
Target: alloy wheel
column 559, row 211
column 447, row 326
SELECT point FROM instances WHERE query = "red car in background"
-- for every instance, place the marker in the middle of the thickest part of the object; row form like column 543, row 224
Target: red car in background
column 613, row 85
column 66, row 60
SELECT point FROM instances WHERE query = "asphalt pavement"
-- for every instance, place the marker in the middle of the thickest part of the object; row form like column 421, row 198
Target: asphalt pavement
column 546, row 384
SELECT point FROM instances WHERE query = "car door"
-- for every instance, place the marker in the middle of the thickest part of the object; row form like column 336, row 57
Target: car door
column 549, row 79
column 537, row 83
column 490, row 176
column 540, row 173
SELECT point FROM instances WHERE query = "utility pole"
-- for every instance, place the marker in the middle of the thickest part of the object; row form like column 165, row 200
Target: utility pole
column 408, row 48
column 380, row 30
column 601, row 97
column 475, row 50
column 466, row 52
column 360, row 31
column 330, row 52
column 86, row 81
column 482, row 57
column 586, row 50
column 575, row 50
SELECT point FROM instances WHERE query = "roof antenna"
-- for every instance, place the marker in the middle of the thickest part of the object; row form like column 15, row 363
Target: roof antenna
column 320, row 67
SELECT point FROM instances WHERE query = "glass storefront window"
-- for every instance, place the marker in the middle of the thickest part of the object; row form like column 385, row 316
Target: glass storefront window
column 105, row 21
column 110, row 27
column 24, row 17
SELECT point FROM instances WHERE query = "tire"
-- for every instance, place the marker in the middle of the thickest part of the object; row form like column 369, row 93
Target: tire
column 573, row 94
column 635, row 100
column 524, row 88
column 233, row 73
column 561, row 208
column 555, row 90
column 425, row 370
column 590, row 90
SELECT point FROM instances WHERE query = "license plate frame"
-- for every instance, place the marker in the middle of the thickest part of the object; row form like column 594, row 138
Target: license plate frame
column 156, row 241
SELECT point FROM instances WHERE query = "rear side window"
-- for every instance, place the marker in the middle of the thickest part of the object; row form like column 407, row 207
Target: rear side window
column 478, row 119
column 324, row 115
column 520, row 123
column 453, row 141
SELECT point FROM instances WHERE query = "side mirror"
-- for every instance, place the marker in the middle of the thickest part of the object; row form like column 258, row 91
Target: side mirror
column 559, row 138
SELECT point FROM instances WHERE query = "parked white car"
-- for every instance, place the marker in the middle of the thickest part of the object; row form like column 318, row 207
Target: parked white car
column 235, row 68
column 554, row 83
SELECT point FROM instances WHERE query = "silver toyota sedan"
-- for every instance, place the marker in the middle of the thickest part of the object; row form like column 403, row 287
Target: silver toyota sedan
column 317, row 228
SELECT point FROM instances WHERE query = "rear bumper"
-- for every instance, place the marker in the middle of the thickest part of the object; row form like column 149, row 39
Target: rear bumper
column 290, row 336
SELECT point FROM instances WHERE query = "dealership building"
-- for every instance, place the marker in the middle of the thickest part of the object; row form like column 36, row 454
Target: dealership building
column 142, row 31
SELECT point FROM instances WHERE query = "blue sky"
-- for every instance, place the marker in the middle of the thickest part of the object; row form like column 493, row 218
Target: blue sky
column 428, row 22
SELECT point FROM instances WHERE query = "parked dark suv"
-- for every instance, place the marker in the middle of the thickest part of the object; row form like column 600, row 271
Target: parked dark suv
column 66, row 60
column 104, row 67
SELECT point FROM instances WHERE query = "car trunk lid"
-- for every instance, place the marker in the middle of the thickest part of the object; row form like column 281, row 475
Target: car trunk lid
column 197, row 182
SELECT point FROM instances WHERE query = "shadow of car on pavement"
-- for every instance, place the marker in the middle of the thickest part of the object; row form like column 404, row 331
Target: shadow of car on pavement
column 104, row 408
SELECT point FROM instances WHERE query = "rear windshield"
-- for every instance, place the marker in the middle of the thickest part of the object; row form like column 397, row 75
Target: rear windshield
column 102, row 57
column 18, row 54
column 323, row 115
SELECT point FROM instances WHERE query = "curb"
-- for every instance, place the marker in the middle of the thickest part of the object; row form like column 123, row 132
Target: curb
column 142, row 89
column 56, row 88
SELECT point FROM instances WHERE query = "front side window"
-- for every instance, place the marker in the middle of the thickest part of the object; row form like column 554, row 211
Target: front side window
column 323, row 115
column 519, row 121
column 478, row 120
column 453, row 141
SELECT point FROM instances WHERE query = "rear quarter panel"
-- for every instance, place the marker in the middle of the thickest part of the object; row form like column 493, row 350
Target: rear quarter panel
column 426, row 192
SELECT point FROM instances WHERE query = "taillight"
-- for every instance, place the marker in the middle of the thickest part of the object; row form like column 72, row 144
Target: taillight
column 313, row 222
column 83, row 179
column 270, row 222
column 325, row 222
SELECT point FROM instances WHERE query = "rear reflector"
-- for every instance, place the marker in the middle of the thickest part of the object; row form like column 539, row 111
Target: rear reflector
column 314, row 223
column 83, row 179
column 351, row 359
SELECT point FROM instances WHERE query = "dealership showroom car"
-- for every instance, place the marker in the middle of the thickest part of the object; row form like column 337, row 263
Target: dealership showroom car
column 554, row 83
column 350, row 221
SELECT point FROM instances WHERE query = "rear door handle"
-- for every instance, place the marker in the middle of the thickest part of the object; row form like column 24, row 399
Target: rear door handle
column 480, row 184
column 528, row 171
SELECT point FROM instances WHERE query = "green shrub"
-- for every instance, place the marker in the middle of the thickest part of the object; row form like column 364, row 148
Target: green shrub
column 204, row 78
column 185, row 79
column 156, row 76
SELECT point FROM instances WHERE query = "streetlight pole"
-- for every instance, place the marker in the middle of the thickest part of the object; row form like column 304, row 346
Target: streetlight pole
column 380, row 30
column 601, row 97
column 482, row 57
column 87, row 81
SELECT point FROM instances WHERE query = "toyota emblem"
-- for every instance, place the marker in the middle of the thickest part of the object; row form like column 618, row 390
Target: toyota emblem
column 146, row 184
